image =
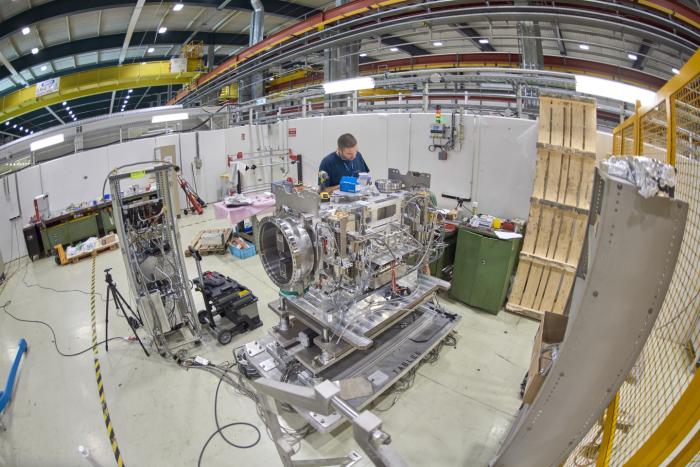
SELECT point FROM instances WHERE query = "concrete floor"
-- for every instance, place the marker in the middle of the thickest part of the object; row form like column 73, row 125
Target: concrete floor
column 456, row 413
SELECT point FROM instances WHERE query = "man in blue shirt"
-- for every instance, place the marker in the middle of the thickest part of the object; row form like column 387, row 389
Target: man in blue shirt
column 346, row 160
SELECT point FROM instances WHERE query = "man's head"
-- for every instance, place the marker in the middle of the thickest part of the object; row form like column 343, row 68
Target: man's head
column 347, row 147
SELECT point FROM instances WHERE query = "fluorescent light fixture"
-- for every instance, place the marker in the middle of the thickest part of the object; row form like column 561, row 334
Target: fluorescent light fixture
column 7, row 123
column 613, row 90
column 127, row 97
column 347, row 85
column 43, row 67
column 25, row 30
column 130, row 91
column 675, row 71
column 632, row 56
column 64, row 102
column 35, row 51
column 363, row 54
column 67, row 108
column 394, row 49
column 170, row 117
column 151, row 50
column 162, row 30
column 46, row 142
column 178, row 7
column 483, row 41
column 14, row 126
column 584, row 47
column 31, row 132
column 437, row 44
column 271, row 78
column 21, row 128
column 122, row 109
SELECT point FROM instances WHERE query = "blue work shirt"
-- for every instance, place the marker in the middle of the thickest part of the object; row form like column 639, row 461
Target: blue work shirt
column 337, row 167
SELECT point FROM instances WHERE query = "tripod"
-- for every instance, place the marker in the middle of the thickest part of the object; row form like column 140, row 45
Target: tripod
column 134, row 319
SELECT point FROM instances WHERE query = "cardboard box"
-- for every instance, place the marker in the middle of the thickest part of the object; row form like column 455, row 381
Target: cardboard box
column 551, row 332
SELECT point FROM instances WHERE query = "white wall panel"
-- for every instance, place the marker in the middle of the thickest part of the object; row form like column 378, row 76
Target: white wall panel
column 452, row 176
column 506, row 166
column 398, row 142
column 308, row 142
column 74, row 179
column 212, row 150
column 11, row 240
column 29, row 181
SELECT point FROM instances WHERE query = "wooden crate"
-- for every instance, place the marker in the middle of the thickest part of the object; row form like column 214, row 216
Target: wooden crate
column 107, row 243
column 211, row 250
column 560, row 201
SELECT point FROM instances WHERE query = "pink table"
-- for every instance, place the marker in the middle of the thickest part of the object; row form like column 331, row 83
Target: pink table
column 261, row 203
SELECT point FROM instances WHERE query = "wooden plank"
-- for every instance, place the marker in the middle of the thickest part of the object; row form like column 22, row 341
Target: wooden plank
column 516, row 292
column 532, row 228
column 586, row 184
column 551, row 290
column 573, row 181
column 540, row 172
column 553, row 175
column 537, row 303
column 567, row 282
column 567, row 150
column 590, row 121
column 556, row 229
column 577, row 125
column 533, row 283
column 561, row 253
column 558, row 122
column 545, row 232
column 580, row 225
column 545, row 127
column 563, row 180
column 524, row 311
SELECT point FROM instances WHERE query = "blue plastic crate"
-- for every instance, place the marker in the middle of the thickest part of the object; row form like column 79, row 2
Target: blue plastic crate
column 242, row 253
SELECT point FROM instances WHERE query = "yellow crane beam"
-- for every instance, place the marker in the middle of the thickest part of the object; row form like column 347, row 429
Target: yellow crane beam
column 87, row 83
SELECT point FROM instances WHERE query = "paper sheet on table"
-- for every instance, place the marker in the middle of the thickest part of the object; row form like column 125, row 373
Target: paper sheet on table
column 507, row 235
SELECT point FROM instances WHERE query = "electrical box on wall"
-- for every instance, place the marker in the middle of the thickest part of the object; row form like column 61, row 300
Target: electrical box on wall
column 444, row 137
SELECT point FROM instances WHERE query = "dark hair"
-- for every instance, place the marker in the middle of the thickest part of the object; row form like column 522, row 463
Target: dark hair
column 347, row 141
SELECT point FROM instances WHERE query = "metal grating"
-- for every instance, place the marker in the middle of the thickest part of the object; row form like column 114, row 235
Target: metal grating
column 667, row 363
column 654, row 132
column 586, row 452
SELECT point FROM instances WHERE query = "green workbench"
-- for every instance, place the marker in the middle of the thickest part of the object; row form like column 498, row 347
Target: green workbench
column 483, row 267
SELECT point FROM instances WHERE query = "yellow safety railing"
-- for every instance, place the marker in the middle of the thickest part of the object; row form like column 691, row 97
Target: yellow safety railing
column 654, row 416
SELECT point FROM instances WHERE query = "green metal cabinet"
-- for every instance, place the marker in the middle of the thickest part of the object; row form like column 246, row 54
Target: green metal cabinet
column 107, row 220
column 482, row 269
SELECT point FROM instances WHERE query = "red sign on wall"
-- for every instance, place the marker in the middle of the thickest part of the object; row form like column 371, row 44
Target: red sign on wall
column 292, row 132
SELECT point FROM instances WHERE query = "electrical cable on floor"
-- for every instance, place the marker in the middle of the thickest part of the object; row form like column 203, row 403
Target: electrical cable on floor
column 53, row 333
column 219, row 431
column 43, row 287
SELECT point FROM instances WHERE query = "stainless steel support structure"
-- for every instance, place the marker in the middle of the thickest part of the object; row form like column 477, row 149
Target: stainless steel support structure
column 155, row 268
column 627, row 263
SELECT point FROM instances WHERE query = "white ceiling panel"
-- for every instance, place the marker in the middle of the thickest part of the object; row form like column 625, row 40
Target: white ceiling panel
column 115, row 20
column 52, row 31
column 84, row 25
column 89, row 58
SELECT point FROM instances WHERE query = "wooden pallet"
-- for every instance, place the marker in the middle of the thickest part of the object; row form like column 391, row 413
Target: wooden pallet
column 211, row 250
column 560, row 201
column 96, row 251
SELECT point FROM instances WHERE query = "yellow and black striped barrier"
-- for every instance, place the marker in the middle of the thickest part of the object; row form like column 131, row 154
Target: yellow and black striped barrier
column 98, row 374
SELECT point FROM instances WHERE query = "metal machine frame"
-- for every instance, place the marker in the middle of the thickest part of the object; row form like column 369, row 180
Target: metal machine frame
column 154, row 262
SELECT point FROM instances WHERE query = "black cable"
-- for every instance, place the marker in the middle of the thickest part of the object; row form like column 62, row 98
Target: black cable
column 241, row 446
column 55, row 343
column 216, row 410
column 24, row 281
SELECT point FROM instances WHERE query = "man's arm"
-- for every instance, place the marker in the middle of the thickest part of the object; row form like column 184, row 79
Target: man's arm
column 365, row 167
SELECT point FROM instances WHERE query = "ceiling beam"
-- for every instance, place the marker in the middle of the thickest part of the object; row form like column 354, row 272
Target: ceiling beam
column 12, row 69
column 474, row 36
column 68, row 7
column 401, row 44
column 642, row 53
column 560, row 40
column 113, row 41
column 48, row 109
column 130, row 30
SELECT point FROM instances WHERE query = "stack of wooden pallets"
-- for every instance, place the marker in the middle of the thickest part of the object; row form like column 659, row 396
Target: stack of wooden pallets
column 559, row 206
